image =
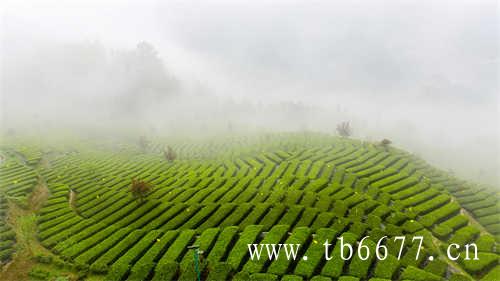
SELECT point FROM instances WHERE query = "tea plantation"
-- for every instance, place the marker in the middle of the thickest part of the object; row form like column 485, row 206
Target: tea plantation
column 222, row 194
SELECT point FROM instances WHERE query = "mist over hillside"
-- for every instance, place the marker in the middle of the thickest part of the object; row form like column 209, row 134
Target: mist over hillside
column 422, row 74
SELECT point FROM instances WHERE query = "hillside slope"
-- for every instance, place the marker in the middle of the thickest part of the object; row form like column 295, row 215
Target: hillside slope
column 223, row 194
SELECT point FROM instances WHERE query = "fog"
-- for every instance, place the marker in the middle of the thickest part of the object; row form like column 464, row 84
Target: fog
column 424, row 74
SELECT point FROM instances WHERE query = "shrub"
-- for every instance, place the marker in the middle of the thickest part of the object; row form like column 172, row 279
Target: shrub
column 48, row 232
column 6, row 254
column 435, row 216
column 241, row 276
column 80, row 247
column 263, row 277
column 102, row 247
column 201, row 219
column 373, row 221
column 442, row 232
column 8, row 235
column 460, row 277
column 456, row 222
column 274, row 236
column 188, row 271
column 39, row 273
column 334, row 267
column 291, row 215
column 82, row 235
column 145, row 264
column 308, row 217
column 359, row 267
column 322, row 220
column 396, row 218
column 101, row 264
column 166, row 216
column 165, row 270
column 6, row 244
column 175, row 251
column 41, row 258
column 346, row 278
column 412, row 226
column 409, row 258
column 240, row 250
column 492, row 275
column 387, row 268
column 237, row 215
column 385, row 143
column 220, row 271
column 437, row 267
column 140, row 189
column 222, row 244
column 315, row 253
column 291, row 278
column 413, row 273
column 120, row 268
column 358, row 228
column 299, row 236
column 485, row 243
column 464, row 235
column 475, row 266
column 222, row 212
column 272, row 216
column 431, row 205
column 258, row 211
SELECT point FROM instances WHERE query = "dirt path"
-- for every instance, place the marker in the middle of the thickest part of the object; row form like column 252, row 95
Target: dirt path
column 72, row 201
column 22, row 262
column 23, row 223
column 38, row 196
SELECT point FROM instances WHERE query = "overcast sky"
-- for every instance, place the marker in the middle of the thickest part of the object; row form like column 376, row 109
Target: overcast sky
column 430, row 65
column 290, row 49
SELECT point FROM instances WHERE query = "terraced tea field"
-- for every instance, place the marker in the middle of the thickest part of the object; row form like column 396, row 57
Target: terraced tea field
column 225, row 193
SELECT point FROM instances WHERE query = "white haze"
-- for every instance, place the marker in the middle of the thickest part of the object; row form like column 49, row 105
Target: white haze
column 422, row 73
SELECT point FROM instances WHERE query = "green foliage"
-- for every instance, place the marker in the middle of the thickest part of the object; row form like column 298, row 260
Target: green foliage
column 219, row 271
column 27, row 230
column 413, row 273
column 39, row 273
column 165, row 270
column 485, row 260
column 140, row 189
column 227, row 193
column 41, row 258
column 387, row 268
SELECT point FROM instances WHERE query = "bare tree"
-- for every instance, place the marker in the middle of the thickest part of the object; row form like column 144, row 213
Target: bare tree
column 344, row 129
column 143, row 143
column 169, row 154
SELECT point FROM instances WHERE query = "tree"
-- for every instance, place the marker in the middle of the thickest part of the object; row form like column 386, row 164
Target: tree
column 140, row 189
column 385, row 143
column 144, row 79
column 143, row 143
column 344, row 129
column 169, row 154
